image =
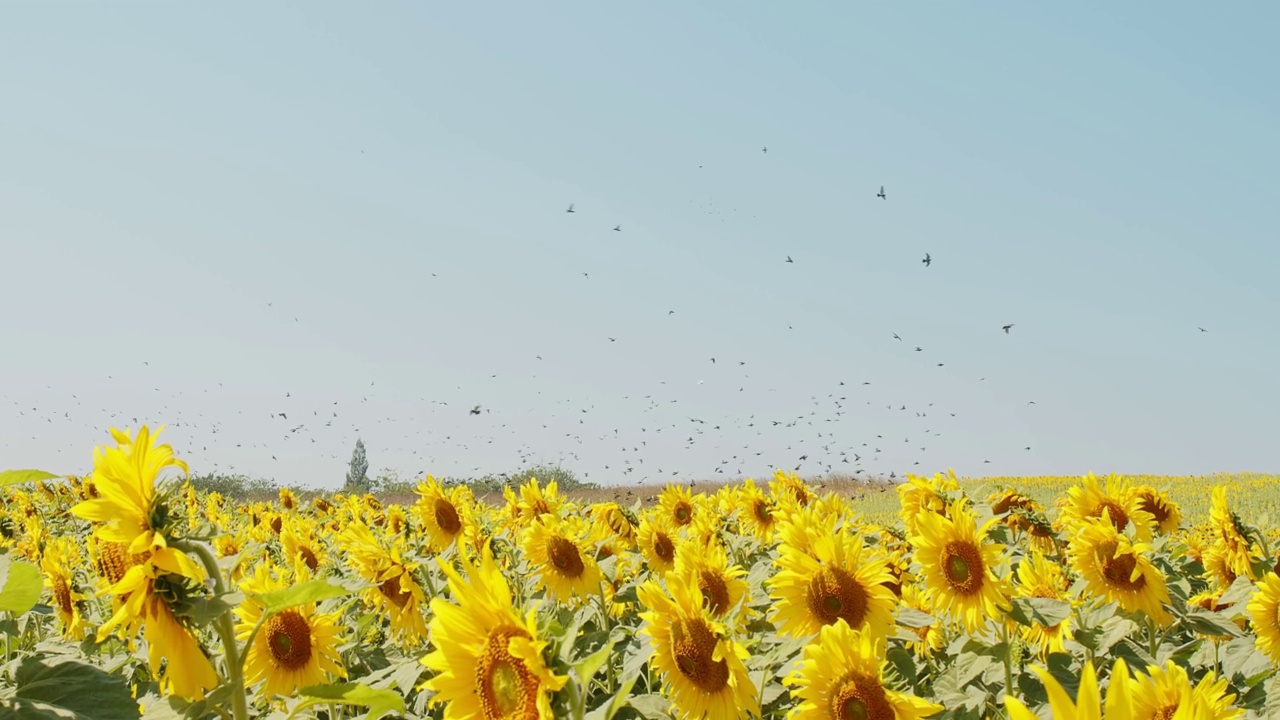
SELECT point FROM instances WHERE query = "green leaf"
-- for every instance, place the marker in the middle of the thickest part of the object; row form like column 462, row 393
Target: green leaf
column 1047, row 612
column 912, row 618
column 63, row 687
column 1240, row 590
column 13, row 477
column 379, row 702
column 587, row 667
column 22, row 585
column 652, row 707
column 1210, row 623
column 307, row 592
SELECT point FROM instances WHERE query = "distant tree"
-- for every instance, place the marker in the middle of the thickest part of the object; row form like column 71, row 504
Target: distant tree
column 358, row 473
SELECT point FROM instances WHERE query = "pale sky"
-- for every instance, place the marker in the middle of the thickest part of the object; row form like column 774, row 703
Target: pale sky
column 210, row 214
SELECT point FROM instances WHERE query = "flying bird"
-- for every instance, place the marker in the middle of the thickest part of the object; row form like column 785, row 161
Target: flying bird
column 570, row 208
column 881, row 194
column 617, row 228
column 927, row 260
column 790, row 260
column 1006, row 328
column 1201, row 329
column 895, row 337
column 475, row 410
column 764, row 149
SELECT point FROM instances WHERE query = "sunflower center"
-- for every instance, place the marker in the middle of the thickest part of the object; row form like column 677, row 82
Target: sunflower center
column 276, row 524
column 289, row 638
column 111, row 561
column 962, row 564
column 683, row 513
column 1118, row 572
column 447, row 517
column 62, row 593
column 760, row 508
column 664, row 548
column 1157, row 509
column 507, row 688
column 565, row 557
column 802, row 495
column 693, row 647
column 861, row 697
column 309, row 557
column 1119, row 517
column 540, row 507
column 392, row 591
column 1166, row 712
column 715, row 593
column 833, row 594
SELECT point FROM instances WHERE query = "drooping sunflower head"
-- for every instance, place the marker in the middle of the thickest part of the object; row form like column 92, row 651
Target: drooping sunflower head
column 488, row 659
column 1119, row 570
column 558, row 549
column 1233, row 539
column 61, row 557
column 841, row 678
column 958, row 563
column 703, row 668
column 1165, row 513
column 444, row 515
column 678, row 504
column 834, row 579
column 615, row 526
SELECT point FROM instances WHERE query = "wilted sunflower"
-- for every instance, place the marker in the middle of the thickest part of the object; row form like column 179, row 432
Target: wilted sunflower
column 488, row 659
column 678, row 504
column 658, row 543
column 61, row 556
column 841, row 678
column 397, row 593
column 1117, row 497
column 835, row 578
column 1037, row 577
column 1118, row 569
column 1088, row 703
column 702, row 667
column 756, row 512
column 722, row 585
column 293, row 649
column 444, row 515
column 558, row 551
column 959, row 565
column 1166, row 690
column 1264, row 611
column 132, row 521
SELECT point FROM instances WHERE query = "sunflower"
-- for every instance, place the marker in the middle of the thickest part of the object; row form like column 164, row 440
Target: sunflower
column 397, row 593
column 1165, row 513
column 756, row 512
column 788, row 489
column 1037, row 577
column 1166, row 690
column 443, row 514
column 566, row 566
column 488, row 659
column 288, row 501
column 920, row 495
column 1116, row 497
column 293, row 649
column 1088, row 704
column 301, row 546
column 536, row 502
column 1264, row 611
column 1238, row 553
column 959, row 565
column 678, row 504
column 658, row 543
column 841, row 678
column 834, row 579
column 702, row 668
column 1119, row 569
column 132, row 522
column 60, row 558
column 722, row 585
column 930, row 638
column 614, row 526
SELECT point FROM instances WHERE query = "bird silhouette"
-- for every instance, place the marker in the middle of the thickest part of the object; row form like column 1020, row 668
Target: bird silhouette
column 927, row 260
column 475, row 410
column 881, row 194
column 764, row 149
column 1007, row 328
column 895, row 337
column 570, row 208
column 1201, row 329
column 617, row 228
column 790, row 260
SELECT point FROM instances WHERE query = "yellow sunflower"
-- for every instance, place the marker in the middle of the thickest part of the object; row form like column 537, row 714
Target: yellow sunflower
column 920, row 495
column 288, row 501
column 842, row 678
column 1237, row 552
column 295, row 648
column 959, row 565
column 536, row 502
column 1037, row 577
column 788, row 489
column 488, row 659
column 658, row 543
column 444, row 515
column 566, row 566
column 1264, row 611
column 1117, row 497
column 930, row 638
column 701, row 666
column 678, row 504
column 1166, row 690
column 835, row 579
column 1166, row 513
column 301, row 546
column 722, row 585
column 613, row 526
column 397, row 593
column 1088, row 704
column 756, row 512
column 61, row 556
column 1118, row 569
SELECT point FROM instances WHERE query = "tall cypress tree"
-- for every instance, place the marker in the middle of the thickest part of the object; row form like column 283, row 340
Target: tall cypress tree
column 358, row 473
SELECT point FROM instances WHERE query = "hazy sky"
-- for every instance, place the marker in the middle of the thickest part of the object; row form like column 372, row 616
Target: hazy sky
column 204, row 208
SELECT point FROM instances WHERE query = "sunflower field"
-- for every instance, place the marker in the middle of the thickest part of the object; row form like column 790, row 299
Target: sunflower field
column 127, row 594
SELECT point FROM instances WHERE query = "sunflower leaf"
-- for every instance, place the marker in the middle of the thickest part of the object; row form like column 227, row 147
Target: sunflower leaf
column 652, row 707
column 587, row 667
column 913, row 618
column 20, row 585
column 1210, row 623
column 301, row 594
column 13, row 477
column 67, row 688
column 1046, row 612
column 379, row 702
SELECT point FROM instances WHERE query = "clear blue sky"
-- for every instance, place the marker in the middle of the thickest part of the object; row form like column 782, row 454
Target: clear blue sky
column 178, row 183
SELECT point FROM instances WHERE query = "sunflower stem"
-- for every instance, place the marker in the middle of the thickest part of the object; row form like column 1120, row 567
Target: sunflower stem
column 224, row 626
column 1008, row 656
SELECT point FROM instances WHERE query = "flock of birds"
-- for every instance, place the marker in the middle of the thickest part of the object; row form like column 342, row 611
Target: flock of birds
column 436, row 430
